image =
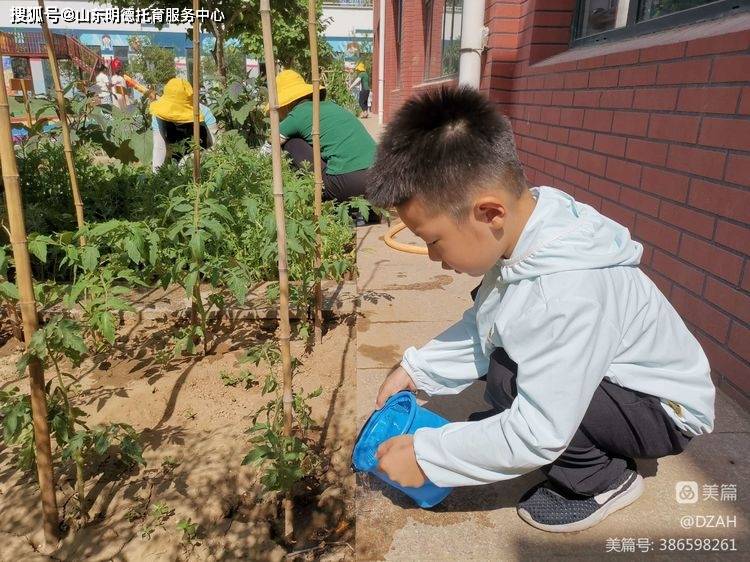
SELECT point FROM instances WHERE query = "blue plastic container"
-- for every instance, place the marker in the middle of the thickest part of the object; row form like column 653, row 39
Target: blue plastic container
column 401, row 415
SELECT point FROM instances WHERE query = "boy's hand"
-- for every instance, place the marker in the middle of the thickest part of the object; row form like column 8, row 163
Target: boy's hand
column 397, row 381
column 396, row 458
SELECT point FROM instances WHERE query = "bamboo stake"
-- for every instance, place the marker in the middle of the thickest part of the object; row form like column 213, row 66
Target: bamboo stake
column 30, row 322
column 197, row 304
column 312, row 29
column 67, row 145
column 278, row 195
column 26, row 102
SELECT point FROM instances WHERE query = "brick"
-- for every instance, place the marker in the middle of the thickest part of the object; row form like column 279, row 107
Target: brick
column 546, row 150
column 658, row 234
column 557, row 135
column 726, row 363
column 622, row 58
column 700, row 314
column 639, row 201
column 630, row 123
column 744, row 108
column 648, row 252
column 576, row 80
column 719, row 44
column 571, row 117
column 554, row 81
column 684, row 72
column 605, row 188
column 586, row 98
column 725, row 201
column 576, row 177
column 554, row 19
column 708, row 100
column 687, row 219
column 739, row 340
column 738, row 169
column 567, row 155
column 746, row 277
column 720, row 262
column 550, row 115
column 581, row 139
column 538, row 130
column 555, row 169
column 679, row 272
column 731, row 69
column 697, row 161
column 597, row 120
column 623, row 172
column 733, row 236
column 533, row 113
column 620, row 99
column 585, row 196
column 562, row 98
column 593, row 62
column 662, row 283
column 604, row 78
column 665, row 184
column 729, row 298
column 681, row 128
column 638, row 76
column 662, row 52
column 725, row 133
column 656, row 98
column 542, row 98
column 592, row 163
column 646, row 151
column 609, row 144
column 618, row 213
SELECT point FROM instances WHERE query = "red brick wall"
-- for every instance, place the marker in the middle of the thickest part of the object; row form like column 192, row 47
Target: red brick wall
column 655, row 136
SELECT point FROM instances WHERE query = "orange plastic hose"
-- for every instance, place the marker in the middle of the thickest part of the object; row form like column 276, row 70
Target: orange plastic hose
column 400, row 246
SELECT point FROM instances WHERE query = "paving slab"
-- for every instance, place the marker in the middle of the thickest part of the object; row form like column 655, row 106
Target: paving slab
column 404, row 300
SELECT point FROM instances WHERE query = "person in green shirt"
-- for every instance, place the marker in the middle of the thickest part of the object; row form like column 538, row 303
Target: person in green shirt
column 363, row 81
column 346, row 148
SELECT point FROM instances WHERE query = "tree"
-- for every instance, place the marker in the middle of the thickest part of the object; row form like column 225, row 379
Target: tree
column 155, row 64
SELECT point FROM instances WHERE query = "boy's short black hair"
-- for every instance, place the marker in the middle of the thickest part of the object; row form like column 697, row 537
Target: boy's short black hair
column 441, row 146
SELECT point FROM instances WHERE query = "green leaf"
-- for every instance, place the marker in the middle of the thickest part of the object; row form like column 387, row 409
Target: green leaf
column 197, row 246
column 9, row 290
column 38, row 247
column 107, row 326
column 90, row 258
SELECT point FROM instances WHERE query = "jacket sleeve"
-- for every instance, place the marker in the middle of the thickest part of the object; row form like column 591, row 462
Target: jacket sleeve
column 563, row 348
column 450, row 362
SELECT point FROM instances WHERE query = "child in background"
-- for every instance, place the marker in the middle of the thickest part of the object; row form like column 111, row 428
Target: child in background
column 587, row 364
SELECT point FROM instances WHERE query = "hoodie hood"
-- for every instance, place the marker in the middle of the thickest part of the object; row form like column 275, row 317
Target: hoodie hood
column 563, row 234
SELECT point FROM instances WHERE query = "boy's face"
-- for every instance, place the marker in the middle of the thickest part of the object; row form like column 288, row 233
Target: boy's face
column 472, row 246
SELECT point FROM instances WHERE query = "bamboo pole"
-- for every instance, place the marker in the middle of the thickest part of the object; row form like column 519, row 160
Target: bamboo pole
column 30, row 322
column 67, row 145
column 312, row 29
column 26, row 102
column 278, row 196
column 197, row 306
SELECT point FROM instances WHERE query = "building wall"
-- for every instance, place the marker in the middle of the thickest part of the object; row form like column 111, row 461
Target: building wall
column 653, row 131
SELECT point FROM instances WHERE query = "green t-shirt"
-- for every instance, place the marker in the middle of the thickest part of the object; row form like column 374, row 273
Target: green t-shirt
column 345, row 144
column 365, row 80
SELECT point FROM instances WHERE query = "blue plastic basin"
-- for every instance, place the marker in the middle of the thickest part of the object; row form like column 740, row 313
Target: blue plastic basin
column 401, row 415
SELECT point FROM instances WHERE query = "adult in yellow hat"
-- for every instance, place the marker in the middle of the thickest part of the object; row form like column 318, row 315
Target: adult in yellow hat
column 347, row 150
column 363, row 81
column 172, row 122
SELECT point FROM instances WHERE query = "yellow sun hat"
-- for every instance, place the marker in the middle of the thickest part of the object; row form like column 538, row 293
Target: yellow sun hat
column 176, row 103
column 290, row 87
column 360, row 67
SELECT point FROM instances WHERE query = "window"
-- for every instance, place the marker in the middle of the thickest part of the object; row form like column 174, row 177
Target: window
column 602, row 20
column 121, row 53
column 442, row 25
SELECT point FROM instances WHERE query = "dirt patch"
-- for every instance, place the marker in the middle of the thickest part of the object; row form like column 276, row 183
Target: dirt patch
column 384, row 354
column 438, row 282
column 193, row 431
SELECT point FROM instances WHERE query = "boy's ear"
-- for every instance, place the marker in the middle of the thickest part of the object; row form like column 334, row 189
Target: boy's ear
column 490, row 210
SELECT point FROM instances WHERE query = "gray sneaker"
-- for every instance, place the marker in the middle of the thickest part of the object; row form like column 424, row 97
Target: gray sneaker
column 549, row 510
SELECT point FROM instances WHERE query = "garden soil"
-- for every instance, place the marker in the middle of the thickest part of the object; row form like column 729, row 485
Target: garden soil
column 193, row 431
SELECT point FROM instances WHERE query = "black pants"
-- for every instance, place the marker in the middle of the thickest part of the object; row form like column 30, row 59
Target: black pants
column 619, row 424
column 364, row 96
column 335, row 186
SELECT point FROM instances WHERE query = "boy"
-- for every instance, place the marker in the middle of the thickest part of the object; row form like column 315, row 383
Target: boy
column 587, row 363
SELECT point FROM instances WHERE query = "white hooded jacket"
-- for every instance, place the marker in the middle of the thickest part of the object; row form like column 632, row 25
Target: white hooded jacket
column 570, row 307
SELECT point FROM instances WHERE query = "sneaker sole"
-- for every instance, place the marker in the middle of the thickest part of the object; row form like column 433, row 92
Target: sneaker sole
column 623, row 500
